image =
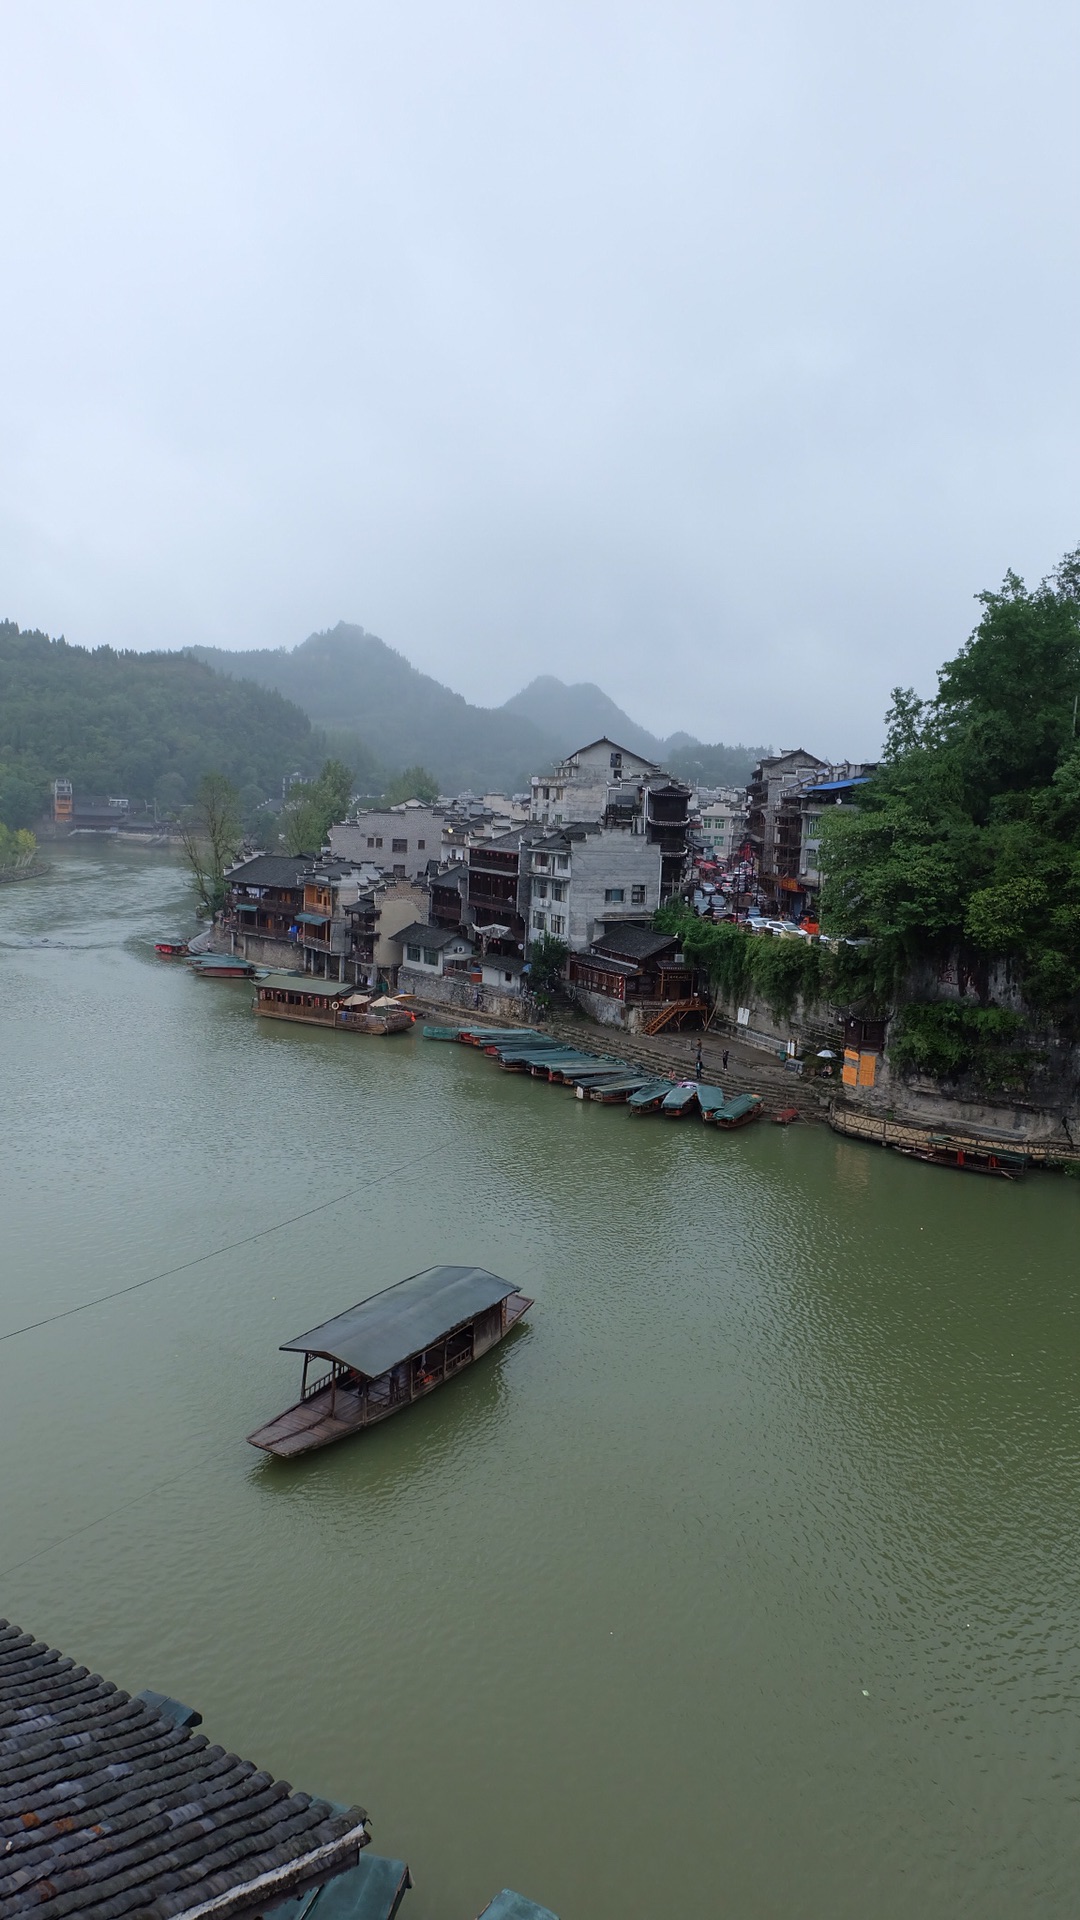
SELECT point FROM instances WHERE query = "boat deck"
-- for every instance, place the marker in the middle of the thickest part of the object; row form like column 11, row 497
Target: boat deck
column 330, row 1413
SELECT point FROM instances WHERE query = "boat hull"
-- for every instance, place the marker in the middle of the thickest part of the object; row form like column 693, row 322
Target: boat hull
column 338, row 1413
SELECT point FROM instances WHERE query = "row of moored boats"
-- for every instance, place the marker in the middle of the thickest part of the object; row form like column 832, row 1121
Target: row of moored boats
column 607, row 1080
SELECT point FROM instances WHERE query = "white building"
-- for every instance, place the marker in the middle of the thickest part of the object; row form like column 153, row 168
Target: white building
column 579, row 787
column 401, row 840
column 584, row 876
column 722, row 814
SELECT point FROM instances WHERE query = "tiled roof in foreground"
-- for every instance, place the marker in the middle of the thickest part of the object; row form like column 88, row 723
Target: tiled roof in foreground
column 109, row 1811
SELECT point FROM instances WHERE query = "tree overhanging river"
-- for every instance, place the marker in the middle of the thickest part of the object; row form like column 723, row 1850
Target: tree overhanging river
column 742, row 1580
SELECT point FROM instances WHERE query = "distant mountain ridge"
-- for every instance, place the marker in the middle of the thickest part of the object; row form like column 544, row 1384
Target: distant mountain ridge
column 349, row 679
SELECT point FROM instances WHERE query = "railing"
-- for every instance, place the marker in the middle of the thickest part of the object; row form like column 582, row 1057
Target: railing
column 320, row 1385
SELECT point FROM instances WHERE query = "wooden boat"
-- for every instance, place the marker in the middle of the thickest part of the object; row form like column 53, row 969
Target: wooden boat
column 737, row 1112
column 596, row 1071
column 942, row 1152
column 785, row 1116
column 612, row 1092
column 651, row 1097
column 679, row 1101
column 301, row 997
column 221, row 966
column 710, row 1099
column 390, row 1350
column 171, row 949
column 440, row 1033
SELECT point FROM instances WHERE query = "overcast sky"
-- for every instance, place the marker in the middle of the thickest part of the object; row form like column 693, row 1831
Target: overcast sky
column 718, row 353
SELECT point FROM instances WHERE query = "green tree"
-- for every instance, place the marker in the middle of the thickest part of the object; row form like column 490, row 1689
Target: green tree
column 416, row 783
column 312, row 807
column 967, row 839
column 547, row 960
column 212, row 835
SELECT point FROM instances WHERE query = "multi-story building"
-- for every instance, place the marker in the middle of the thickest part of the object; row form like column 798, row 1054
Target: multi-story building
column 718, row 822
column 773, row 780
column 801, row 819
column 401, row 839
column 497, row 901
column 579, row 787
column 584, row 875
column 263, row 896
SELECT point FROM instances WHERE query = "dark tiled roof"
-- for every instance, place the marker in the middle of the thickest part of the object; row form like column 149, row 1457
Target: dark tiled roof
column 270, row 870
column 424, row 936
column 109, row 1810
column 634, row 943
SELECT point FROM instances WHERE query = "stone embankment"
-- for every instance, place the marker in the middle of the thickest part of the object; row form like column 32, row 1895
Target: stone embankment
column 748, row 1071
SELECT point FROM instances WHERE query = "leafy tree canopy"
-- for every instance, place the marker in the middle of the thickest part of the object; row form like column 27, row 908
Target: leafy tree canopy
column 416, row 783
column 312, row 806
column 968, row 836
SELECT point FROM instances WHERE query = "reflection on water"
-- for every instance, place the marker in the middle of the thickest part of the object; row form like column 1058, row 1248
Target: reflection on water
column 747, row 1564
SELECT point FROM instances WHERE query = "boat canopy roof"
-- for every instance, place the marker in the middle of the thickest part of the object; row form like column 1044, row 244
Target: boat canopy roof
column 403, row 1319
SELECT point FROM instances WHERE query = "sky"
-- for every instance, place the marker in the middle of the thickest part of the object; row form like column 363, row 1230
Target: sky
column 718, row 353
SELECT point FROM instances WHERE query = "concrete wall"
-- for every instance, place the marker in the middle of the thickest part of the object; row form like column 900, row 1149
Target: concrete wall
column 612, row 859
column 456, row 995
column 350, row 840
column 285, row 954
column 400, row 904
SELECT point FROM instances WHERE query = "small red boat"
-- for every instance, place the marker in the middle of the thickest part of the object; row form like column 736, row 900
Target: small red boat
column 785, row 1116
column 171, row 949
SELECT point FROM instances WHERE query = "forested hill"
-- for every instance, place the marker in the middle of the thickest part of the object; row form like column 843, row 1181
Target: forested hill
column 351, row 678
column 146, row 725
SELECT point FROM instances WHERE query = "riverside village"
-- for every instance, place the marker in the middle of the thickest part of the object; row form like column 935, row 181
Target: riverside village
column 616, row 914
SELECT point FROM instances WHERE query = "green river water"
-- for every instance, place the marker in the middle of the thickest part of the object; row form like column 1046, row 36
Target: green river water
column 743, row 1581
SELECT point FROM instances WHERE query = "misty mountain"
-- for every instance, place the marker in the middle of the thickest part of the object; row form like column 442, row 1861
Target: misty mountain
column 575, row 715
column 347, row 679
column 409, row 719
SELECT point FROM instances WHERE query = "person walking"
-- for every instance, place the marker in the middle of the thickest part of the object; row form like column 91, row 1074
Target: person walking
column 699, row 1063
column 723, row 1060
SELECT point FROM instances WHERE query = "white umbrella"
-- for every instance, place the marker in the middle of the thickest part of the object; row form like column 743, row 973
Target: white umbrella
column 826, row 1053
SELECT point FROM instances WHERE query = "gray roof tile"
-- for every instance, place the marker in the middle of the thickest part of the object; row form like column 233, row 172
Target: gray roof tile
column 109, row 1811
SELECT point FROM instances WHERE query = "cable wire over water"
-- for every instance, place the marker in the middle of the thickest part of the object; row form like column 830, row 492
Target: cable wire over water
column 231, row 1246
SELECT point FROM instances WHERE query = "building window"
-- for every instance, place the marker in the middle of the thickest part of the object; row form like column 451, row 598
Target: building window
column 539, row 922
column 613, row 896
column 558, row 924
column 399, row 846
column 541, row 859
column 431, row 956
column 412, row 953
column 547, row 793
column 421, row 846
column 378, row 843
column 558, row 890
column 540, row 889
column 399, row 873
column 637, row 896
column 562, row 861
column 508, row 977
column 556, row 819
column 371, row 841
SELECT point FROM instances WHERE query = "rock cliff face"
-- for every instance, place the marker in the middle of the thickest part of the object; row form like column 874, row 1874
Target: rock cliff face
column 1039, row 1101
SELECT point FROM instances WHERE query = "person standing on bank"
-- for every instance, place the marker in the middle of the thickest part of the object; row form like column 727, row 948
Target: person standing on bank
column 723, row 1060
column 699, row 1062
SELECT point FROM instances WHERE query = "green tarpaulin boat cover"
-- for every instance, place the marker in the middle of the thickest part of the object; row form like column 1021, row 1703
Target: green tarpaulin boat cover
column 403, row 1319
column 373, row 1890
column 514, row 1906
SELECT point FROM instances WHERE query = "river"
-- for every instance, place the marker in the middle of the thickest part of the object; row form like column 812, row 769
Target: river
column 743, row 1580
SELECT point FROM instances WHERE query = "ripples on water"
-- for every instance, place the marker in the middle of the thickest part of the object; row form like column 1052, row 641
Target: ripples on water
column 741, row 1579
